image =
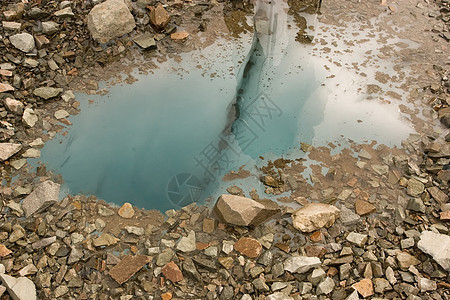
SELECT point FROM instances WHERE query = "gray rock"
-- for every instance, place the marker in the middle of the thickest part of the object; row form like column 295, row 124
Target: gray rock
column 75, row 255
column 348, row 217
column 437, row 246
column 43, row 243
column 20, row 288
column 135, row 230
column 426, row 285
column 49, row 27
column 104, row 211
column 44, row 195
column 64, row 13
column 227, row 293
column 188, row 243
column 416, row 204
column 109, row 20
column 145, row 41
column 29, row 117
column 314, row 216
column 278, row 296
column 8, row 149
column 14, row 106
column 381, row 285
column 325, row 287
column 164, row 257
column 260, row 285
column 301, row 264
column 47, row 92
column 357, row 239
column 23, row 41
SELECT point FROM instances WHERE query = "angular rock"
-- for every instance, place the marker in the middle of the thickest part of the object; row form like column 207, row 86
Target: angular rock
column 23, row 41
column 49, row 27
column 145, row 41
column 64, row 13
column 179, row 36
column 14, row 106
column 172, row 272
column 364, row 287
column 109, row 20
column 105, row 240
column 43, row 196
column 128, row 266
column 405, row 260
column 5, row 87
column 29, row 117
column 43, row 243
column 414, row 187
column 47, row 92
column 325, row 287
column 314, row 216
column 61, row 114
column 159, row 17
column 32, row 153
column 4, row 251
column 348, row 217
column 8, row 149
column 249, row 247
column 301, row 264
column 363, row 208
column 20, row 288
column 126, row 211
column 416, row 204
column 437, row 194
column 243, row 211
column 357, row 239
column 187, row 243
column 437, row 246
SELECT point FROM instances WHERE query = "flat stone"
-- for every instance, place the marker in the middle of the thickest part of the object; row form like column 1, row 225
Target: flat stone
column 301, row 264
column 179, row 36
column 357, row 239
column 29, row 117
column 164, row 257
column 364, row 154
column 61, row 114
column 325, row 287
column 20, row 288
column 11, row 25
column 109, row 20
column 47, row 92
column 8, row 149
column 437, row 246
column 23, row 41
column 363, row 208
column 28, row 270
column 364, row 287
column 50, row 27
column 105, row 240
column 42, row 196
column 187, row 243
column 249, row 247
column 405, row 260
column 64, row 13
column 135, row 230
column 159, row 17
column 314, row 216
column 145, row 41
column 6, row 87
column 227, row 262
column 32, row 153
column 128, row 266
column 414, row 187
column 437, row 194
column 172, row 272
column 43, row 243
column 126, row 211
column 18, row 163
column 380, row 169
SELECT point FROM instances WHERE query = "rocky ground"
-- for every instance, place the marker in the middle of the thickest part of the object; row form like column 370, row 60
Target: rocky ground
column 375, row 225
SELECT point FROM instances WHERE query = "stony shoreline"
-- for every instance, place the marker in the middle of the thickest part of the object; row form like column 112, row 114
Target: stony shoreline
column 379, row 231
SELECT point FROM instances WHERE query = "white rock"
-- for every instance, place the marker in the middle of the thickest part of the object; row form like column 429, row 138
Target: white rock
column 314, row 216
column 437, row 245
column 22, row 41
column 301, row 264
column 109, row 20
column 357, row 238
column 29, row 117
column 8, row 149
column 32, row 153
column 20, row 288
column 187, row 243
column 61, row 114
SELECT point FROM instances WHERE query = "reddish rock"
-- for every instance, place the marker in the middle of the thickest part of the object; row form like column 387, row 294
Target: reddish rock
column 159, row 17
column 4, row 251
column 166, row 296
column 364, row 208
column 445, row 215
column 6, row 73
column 315, row 251
column 283, row 247
column 248, row 247
column 128, row 266
column 126, row 211
column 5, row 87
column 364, row 287
column 179, row 36
column 172, row 272
column 316, row 236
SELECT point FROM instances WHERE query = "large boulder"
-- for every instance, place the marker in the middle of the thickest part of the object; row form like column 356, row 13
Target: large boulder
column 314, row 216
column 8, row 149
column 244, row 211
column 438, row 246
column 42, row 197
column 109, row 20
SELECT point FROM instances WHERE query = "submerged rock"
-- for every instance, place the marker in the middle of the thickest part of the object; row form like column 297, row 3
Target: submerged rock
column 314, row 216
column 43, row 196
column 109, row 20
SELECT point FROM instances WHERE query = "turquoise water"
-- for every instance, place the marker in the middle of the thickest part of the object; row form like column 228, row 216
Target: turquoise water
column 168, row 139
